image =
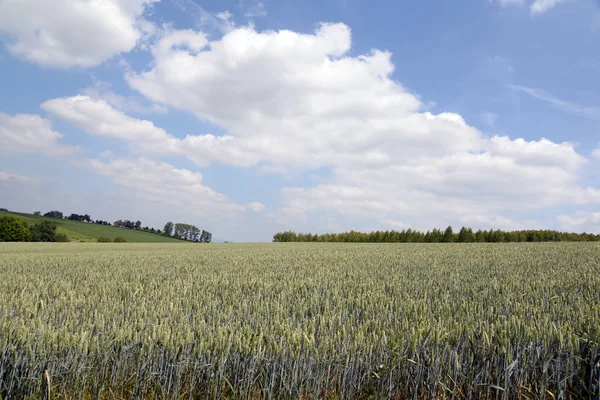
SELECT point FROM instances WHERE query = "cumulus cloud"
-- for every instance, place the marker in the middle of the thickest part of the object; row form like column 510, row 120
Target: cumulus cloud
column 72, row 33
column 290, row 100
column 30, row 133
column 131, row 104
column 163, row 183
column 98, row 117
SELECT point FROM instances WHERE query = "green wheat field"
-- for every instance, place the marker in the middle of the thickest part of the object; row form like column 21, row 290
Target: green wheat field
column 253, row 321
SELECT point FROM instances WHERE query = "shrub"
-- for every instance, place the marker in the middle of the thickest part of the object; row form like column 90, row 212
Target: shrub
column 104, row 240
column 120, row 240
column 45, row 231
column 61, row 237
column 13, row 230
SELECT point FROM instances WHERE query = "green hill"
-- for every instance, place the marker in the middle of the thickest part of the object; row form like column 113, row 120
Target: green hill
column 84, row 232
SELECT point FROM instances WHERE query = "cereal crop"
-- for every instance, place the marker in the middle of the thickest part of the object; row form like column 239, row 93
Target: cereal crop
column 302, row 320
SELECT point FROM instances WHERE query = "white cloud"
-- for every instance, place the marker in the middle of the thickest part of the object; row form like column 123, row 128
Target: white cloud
column 255, row 206
column 164, row 184
column 7, row 176
column 289, row 98
column 72, row 33
column 585, row 111
column 580, row 221
column 596, row 153
column 102, row 91
column 541, row 6
column 297, row 102
column 542, row 153
column 300, row 101
column 29, row 133
column 98, row 117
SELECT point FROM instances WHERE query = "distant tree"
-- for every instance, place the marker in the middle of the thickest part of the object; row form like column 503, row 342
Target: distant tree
column 119, row 240
column 194, row 234
column 45, row 231
column 80, row 218
column 479, row 236
column 13, row 230
column 205, row 237
column 129, row 224
column 466, row 235
column 4, row 209
column 54, row 214
column 168, row 230
column 138, row 224
column 37, row 213
column 103, row 240
column 448, row 236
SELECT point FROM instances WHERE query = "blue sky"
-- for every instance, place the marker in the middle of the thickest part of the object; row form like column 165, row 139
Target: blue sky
column 249, row 117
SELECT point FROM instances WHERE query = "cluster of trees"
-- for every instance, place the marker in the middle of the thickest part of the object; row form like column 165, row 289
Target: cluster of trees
column 187, row 232
column 51, row 214
column 128, row 224
column 14, row 230
column 465, row 235
column 80, row 218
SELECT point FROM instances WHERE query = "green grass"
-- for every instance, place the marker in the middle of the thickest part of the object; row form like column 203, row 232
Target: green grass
column 300, row 320
column 84, row 232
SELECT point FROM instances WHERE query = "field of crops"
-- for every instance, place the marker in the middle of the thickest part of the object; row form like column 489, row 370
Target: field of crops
column 299, row 321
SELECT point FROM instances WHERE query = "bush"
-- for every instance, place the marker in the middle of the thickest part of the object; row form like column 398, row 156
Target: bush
column 13, row 230
column 104, row 240
column 120, row 240
column 61, row 237
column 45, row 231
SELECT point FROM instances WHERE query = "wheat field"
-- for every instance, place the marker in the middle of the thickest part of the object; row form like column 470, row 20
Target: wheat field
column 303, row 320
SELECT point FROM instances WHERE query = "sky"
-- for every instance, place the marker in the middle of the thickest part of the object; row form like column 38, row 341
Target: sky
column 248, row 117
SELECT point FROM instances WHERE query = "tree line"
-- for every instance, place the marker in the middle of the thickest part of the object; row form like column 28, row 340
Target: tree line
column 187, row 232
column 14, row 230
column 465, row 235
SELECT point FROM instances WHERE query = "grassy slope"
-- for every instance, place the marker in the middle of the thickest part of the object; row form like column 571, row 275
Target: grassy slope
column 84, row 232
